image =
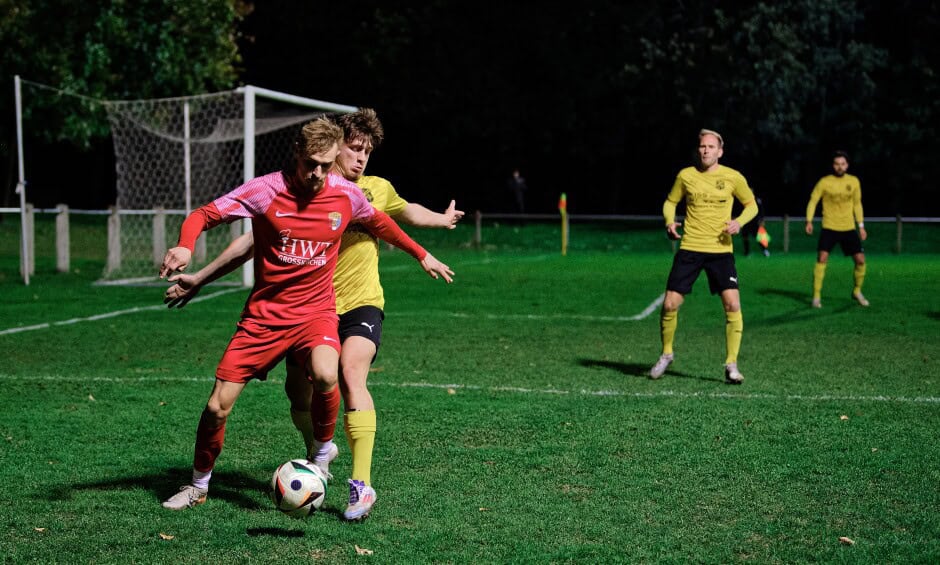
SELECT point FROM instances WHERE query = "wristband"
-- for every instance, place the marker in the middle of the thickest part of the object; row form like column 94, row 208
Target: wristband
column 861, row 225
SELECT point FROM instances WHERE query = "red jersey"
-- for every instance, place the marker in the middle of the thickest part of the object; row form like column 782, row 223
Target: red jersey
column 296, row 241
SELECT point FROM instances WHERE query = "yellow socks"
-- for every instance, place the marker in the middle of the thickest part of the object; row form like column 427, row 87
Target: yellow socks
column 819, row 273
column 734, row 328
column 859, row 278
column 667, row 325
column 360, row 433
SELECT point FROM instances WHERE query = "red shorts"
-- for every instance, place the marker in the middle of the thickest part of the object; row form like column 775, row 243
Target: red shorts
column 255, row 348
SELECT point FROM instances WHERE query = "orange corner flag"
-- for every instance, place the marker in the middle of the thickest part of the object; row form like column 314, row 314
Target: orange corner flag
column 563, row 203
column 763, row 237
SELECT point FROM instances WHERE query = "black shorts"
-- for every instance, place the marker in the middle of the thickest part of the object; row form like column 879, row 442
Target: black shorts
column 365, row 321
column 849, row 240
column 687, row 265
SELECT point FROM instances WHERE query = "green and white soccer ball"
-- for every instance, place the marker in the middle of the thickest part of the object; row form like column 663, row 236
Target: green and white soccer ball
column 298, row 488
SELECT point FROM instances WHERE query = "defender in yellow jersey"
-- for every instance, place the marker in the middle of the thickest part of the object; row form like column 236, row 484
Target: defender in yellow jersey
column 709, row 191
column 841, row 196
column 360, row 301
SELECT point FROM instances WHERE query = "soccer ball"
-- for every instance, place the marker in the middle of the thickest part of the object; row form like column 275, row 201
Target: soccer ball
column 298, row 488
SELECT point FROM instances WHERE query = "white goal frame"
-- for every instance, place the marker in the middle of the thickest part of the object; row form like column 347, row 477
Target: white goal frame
column 249, row 93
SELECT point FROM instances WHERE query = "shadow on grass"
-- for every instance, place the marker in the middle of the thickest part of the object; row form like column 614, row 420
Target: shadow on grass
column 803, row 313
column 637, row 370
column 231, row 487
column 275, row 532
column 228, row 486
column 794, row 295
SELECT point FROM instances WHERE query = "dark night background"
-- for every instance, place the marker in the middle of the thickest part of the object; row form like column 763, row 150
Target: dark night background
column 603, row 99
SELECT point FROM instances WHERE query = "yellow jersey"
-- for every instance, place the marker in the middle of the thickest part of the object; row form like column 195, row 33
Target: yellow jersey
column 356, row 279
column 709, row 197
column 841, row 202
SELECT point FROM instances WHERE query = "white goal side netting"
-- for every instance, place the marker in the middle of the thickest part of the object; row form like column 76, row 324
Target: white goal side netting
column 174, row 155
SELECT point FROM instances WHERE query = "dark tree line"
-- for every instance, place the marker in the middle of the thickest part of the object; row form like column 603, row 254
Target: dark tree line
column 601, row 99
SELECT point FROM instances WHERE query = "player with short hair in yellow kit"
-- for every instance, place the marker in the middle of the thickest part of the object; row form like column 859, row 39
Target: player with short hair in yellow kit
column 359, row 303
column 841, row 196
column 709, row 191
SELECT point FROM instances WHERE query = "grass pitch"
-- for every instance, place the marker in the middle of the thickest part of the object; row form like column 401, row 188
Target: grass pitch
column 516, row 423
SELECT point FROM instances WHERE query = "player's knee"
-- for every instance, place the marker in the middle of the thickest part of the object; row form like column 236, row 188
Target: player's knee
column 324, row 378
column 215, row 414
column 672, row 301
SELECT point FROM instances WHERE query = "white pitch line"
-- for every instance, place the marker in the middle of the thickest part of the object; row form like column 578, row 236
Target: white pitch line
column 584, row 317
column 523, row 390
column 107, row 315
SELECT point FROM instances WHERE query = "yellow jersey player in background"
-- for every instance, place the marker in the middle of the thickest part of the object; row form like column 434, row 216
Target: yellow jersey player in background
column 841, row 195
column 709, row 190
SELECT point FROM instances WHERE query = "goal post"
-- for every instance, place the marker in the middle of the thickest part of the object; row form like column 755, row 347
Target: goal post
column 172, row 155
column 251, row 93
column 25, row 247
column 176, row 154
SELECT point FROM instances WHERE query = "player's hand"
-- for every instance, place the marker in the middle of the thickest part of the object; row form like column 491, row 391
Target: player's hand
column 732, row 227
column 185, row 289
column 452, row 215
column 436, row 269
column 176, row 259
column 862, row 234
column 672, row 231
column 809, row 228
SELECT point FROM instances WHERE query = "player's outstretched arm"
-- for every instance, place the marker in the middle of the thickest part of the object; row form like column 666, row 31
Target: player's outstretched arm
column 176, row 259
column 186, row 287
column 419, row 216
column 436, row 269
column 385, row 228
column 179, row 257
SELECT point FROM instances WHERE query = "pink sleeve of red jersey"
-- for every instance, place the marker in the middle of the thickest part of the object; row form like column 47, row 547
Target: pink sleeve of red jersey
column 252, row 198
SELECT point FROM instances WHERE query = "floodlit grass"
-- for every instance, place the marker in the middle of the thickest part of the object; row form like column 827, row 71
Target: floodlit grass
column 515, row 420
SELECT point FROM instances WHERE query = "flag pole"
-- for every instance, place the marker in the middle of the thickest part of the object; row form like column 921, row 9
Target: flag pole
column 563, row 210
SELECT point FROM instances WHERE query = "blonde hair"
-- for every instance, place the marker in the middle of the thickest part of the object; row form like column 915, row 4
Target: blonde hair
column 704, row 132
column 317, row 136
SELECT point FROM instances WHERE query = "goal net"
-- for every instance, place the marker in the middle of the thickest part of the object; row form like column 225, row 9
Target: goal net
column 176, row 154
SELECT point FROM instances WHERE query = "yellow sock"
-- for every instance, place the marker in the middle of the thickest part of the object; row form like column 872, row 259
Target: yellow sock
column 304, row 424
column 360, row 433
column 819, row 273
column 668, row 321
column 859, row 278
column 734, row 328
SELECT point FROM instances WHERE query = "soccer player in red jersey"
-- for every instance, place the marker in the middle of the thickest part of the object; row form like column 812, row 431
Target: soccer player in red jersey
column 359, row 303
column 298, row 217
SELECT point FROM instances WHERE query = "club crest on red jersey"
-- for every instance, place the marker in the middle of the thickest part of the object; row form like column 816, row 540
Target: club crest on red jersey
column 336, row 220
